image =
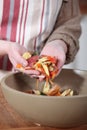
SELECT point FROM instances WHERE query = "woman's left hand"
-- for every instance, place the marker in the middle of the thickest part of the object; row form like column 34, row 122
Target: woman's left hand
column 57, row 49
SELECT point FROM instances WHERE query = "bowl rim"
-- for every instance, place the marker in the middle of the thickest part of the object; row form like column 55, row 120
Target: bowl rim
column 3, row 85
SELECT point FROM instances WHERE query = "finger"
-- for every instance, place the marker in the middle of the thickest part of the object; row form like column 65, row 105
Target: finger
column 14, row 63
column 59, row 71
column 38, row 76
column 19, row 59
column 31, row 72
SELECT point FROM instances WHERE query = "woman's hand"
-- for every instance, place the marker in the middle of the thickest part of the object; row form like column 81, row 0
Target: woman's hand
column 15, row 52
column 56, row 49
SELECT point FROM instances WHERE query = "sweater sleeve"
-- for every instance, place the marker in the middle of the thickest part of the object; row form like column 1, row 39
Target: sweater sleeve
column 68, row 28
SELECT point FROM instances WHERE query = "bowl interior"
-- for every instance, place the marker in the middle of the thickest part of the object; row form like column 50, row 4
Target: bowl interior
column 53, row 111
column 68, row 78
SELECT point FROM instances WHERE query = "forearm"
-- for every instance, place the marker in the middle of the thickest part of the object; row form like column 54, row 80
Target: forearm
column 3, row 47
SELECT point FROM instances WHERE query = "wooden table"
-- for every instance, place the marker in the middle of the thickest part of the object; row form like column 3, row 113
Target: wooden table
column 11, row 120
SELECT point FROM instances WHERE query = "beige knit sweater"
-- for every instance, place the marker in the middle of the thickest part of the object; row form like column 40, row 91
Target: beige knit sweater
column 68, row 28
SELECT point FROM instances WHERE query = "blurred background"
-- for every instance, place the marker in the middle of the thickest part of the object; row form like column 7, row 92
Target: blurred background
column 80, row 61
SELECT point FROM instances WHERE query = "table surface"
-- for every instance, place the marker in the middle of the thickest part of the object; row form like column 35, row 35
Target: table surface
column 10, row 119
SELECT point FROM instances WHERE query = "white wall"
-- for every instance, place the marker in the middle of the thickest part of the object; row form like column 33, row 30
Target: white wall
column 80, row 61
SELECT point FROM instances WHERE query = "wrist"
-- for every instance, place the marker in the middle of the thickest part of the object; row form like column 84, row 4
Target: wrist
column 62, row 44
column 3, row 47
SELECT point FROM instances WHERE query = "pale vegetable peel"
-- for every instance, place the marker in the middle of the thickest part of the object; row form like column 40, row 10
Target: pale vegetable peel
column 47, row 66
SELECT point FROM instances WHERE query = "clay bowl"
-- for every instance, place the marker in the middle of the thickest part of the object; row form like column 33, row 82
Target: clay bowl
column 55, row 111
